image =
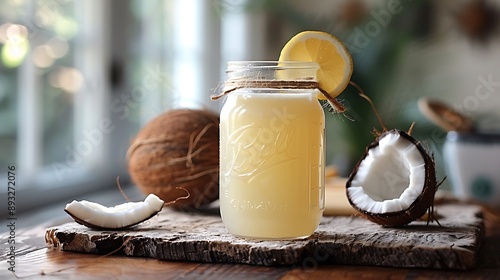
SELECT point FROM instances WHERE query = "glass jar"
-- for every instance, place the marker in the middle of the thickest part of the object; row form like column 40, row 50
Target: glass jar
column 272, row 153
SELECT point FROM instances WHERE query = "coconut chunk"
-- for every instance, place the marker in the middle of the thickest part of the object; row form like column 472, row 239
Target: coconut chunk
column 95, row 215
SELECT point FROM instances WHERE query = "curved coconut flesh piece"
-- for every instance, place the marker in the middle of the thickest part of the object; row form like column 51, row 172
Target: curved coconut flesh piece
column 394, row 182
column 97, row 216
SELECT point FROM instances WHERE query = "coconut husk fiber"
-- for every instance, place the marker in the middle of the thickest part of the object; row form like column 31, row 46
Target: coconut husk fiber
column 178, row 151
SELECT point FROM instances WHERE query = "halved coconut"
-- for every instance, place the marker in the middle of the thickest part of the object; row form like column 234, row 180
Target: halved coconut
column 394, row 182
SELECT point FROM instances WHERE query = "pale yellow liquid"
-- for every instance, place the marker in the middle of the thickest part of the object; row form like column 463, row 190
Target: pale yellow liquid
column 271, row 164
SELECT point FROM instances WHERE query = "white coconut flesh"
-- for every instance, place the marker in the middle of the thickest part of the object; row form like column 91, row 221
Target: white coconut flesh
column 390, row 178
column 119, row 216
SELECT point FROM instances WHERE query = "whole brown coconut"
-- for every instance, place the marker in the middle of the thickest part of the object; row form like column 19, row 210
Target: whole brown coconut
column 178, row 149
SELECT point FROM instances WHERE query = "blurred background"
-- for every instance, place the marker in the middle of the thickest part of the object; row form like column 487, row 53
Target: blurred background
column 79, row 78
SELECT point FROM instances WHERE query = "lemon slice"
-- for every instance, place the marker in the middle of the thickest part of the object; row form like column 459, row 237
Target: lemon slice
column 335, row 62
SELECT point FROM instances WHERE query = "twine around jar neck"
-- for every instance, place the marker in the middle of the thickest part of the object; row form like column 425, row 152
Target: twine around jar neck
column 233, row 85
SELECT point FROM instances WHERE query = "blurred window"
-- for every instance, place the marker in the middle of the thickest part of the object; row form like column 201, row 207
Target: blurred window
column 78, row 78
column 52, row 93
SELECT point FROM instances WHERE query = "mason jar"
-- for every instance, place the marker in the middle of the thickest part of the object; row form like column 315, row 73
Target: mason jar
column 272, row 150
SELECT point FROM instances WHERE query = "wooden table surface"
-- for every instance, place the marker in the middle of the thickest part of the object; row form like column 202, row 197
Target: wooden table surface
column 34, row 261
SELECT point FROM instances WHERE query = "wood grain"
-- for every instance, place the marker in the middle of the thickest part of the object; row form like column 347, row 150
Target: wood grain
column 338, row 240
column 56, row 264
column 53, row 264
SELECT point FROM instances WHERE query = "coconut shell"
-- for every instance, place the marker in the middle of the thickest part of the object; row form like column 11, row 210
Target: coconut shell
column 178, row 149
column 418, row 208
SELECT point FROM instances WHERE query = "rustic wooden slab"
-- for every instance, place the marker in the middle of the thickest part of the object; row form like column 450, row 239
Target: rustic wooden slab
column 201, row 237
